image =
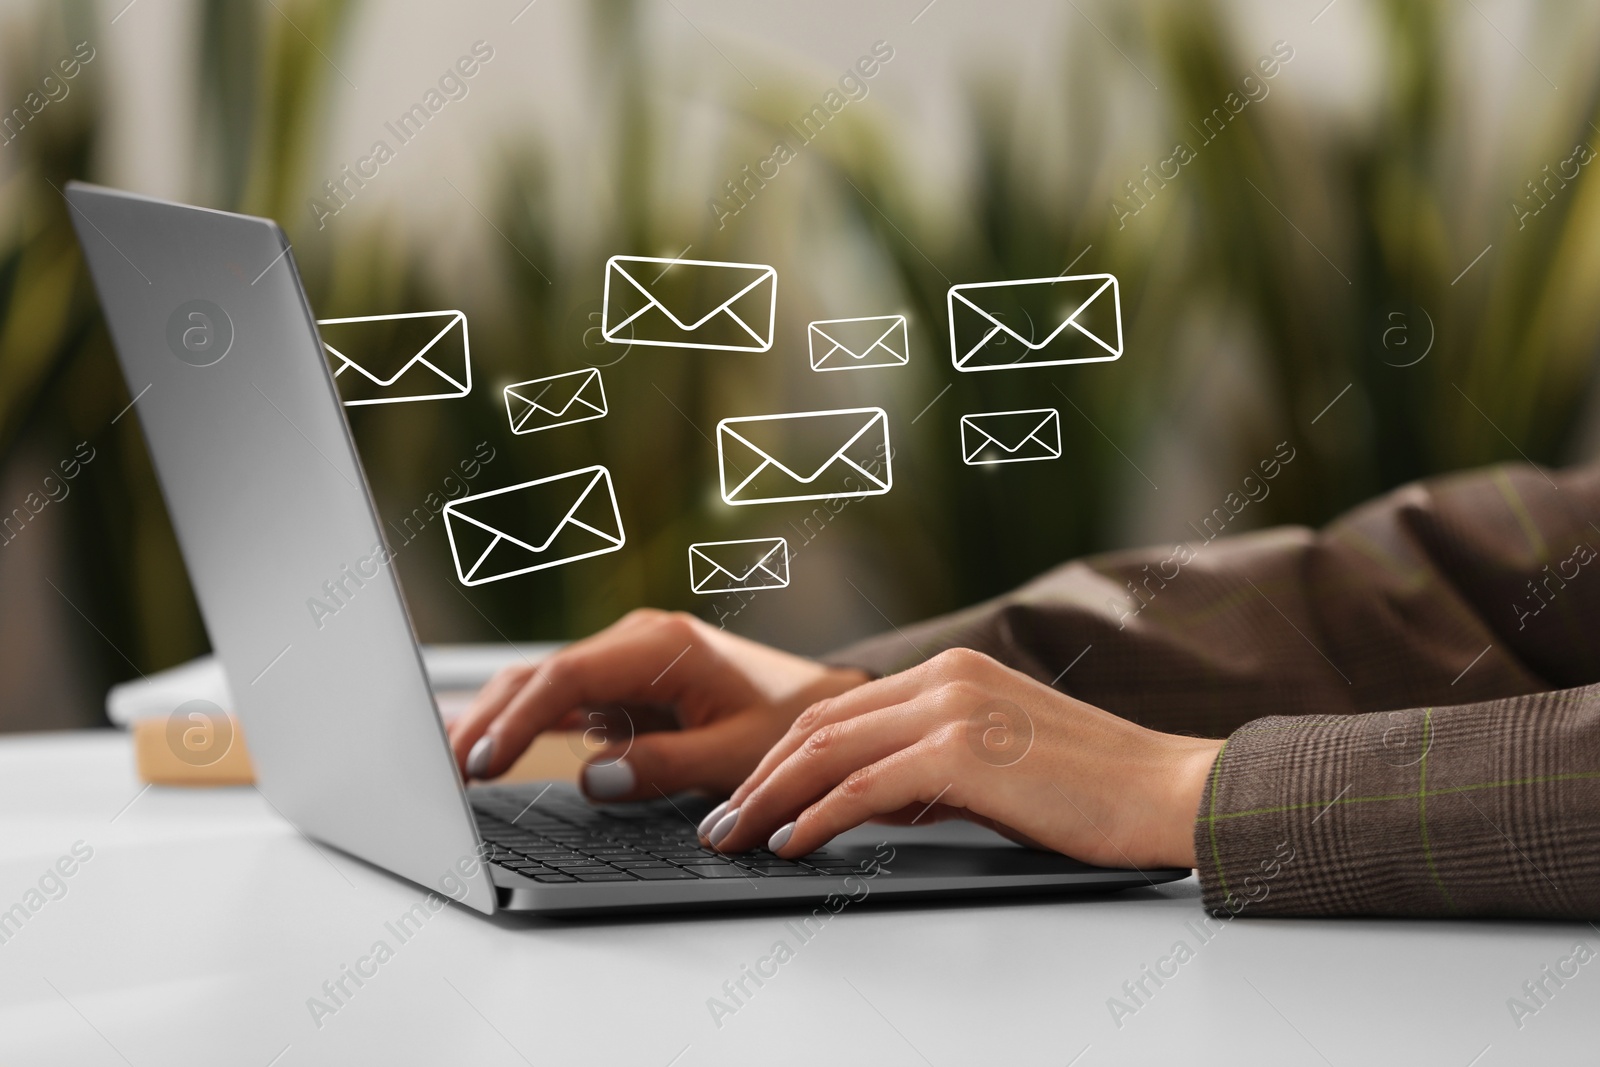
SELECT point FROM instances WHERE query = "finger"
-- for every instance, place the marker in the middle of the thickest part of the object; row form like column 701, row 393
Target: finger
column 938, row 675
column 713, row 757
column 469, row 726
column 646, row 663
column 920, row 774
column 828, row 756
column 640, row 718
column 873, row 696
column 488, row 703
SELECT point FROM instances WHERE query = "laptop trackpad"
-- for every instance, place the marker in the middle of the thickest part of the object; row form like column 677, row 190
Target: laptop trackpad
column 954, row 847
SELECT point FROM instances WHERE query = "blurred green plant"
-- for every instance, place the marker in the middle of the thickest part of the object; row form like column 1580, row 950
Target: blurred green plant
column 1405, row 209
column 1303, row 234
column 59, row 382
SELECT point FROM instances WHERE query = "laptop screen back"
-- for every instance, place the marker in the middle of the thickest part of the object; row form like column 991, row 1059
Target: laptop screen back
column 266, row 493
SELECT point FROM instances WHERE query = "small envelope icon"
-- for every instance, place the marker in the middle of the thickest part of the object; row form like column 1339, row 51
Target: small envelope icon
column 1010, row 437
column 729, row 566
column 689, row 303
column 852, row 344
column 534, row 525
column 1042, row 322
column 394, row 359
column 559, row 400
column 811, row 455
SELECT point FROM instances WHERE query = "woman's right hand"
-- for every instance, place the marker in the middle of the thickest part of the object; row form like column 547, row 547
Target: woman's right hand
column 732, row 700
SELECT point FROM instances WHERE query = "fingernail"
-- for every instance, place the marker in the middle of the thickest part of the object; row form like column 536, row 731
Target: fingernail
column 478, row 759
column 607, row 781
column 781, row 838
column 724, row 827
column 704, row 829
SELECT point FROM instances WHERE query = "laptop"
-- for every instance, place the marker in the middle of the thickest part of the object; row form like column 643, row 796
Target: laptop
column 220, row 350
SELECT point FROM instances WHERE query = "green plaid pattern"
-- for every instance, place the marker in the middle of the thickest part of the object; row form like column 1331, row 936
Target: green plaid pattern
column 1478, row 794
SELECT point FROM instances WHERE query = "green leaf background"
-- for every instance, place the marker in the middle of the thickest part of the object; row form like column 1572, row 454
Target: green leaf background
column 1213, row 272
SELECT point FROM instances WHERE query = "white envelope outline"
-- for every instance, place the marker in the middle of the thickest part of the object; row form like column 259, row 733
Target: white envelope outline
column 770, row 571
column 610, row 542
column 959, row 293
column 974, row 438
column 614, row 266
column 897, row 356
column 531, row 397
column 458, row 387
column 876, row 417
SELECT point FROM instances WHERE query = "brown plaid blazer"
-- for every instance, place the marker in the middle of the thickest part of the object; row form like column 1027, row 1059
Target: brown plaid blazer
column 1408, row 696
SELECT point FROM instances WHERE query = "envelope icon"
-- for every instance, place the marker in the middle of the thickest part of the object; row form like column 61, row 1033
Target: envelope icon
column 1042, row 322
column 689, row 303
column 1010, row 437
column 730, row 566
column 811, row 455
column 559, row 400
column 533, row 526
column 852, row 344
column 394, row 359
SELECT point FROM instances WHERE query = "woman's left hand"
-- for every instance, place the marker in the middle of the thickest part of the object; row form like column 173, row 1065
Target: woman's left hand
column 963, row 736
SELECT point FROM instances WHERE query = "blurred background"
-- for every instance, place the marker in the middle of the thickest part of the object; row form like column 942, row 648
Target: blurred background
column 1386, row 253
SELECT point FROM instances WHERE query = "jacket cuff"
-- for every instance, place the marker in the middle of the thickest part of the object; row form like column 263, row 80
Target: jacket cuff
column 1425, row 812
column 1326, row 815
column 1321, row 815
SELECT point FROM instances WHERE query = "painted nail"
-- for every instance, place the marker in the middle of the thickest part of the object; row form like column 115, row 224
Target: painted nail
column 478, row 759
column 781, row 838
column 704, row 829
column 724, row 827
column 607, row 781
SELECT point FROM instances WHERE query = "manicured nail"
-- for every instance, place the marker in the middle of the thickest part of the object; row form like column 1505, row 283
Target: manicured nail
column 478, row 759
column 724, row 827
column 781, row 838
column 704, row 829
column 607, row 781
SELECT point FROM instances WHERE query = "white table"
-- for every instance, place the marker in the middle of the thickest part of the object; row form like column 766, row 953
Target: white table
column 201, row 925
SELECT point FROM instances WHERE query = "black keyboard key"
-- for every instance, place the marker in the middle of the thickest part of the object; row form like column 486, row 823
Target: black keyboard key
column 729, row 871
column 604, row 876
column 661, row 874
column 553, row 878
column 787, row 872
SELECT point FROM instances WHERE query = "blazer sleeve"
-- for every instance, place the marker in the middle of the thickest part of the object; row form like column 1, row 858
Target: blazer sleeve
column 1408, row 694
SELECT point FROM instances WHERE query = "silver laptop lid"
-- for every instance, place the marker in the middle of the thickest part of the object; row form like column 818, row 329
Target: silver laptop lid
column 269, row 501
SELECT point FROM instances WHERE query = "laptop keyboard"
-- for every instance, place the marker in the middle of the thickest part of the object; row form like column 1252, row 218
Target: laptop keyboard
column 562, row 838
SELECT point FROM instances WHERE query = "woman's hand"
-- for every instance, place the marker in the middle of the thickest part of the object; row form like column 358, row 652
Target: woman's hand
column 962, row 735
column 733, row 698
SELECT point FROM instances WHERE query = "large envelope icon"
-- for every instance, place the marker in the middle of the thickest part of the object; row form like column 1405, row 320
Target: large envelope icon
column 1042, row 322
column 534, row 525
column 559, row 400
column 729, row 566
column 1010, row 436
column 689, row 303
column 393, row 359
column 810, row 455
column 851, row 344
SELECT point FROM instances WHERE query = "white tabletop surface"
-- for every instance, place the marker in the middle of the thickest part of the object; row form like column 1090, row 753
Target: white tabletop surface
column 201, row 925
